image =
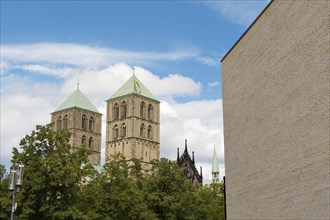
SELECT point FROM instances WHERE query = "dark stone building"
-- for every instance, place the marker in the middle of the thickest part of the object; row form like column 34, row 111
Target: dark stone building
column 187, row 165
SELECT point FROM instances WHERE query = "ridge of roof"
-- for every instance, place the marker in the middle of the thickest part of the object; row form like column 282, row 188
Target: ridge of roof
column 133, row 86
column 77, row 100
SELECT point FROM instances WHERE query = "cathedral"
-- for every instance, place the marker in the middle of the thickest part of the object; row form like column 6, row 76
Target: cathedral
column 187, row 165
column 132, row 127
column 132, row 123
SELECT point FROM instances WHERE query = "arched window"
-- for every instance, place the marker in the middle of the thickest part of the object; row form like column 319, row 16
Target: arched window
column 65, row 122
column 91, row 123
column 116, row 112
column 142, row 110
column 90, row 142
column 115, row 132
column 84, row 122
column 150, row 112
column 142, row 130
column 123, row 112
column 123, row 130
column 59, row 123
column 83, row 140
column 149, row 132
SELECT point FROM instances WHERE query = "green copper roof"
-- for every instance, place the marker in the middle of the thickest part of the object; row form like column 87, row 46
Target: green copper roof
column 133, row 85
column 215, row 164
column 78, row 100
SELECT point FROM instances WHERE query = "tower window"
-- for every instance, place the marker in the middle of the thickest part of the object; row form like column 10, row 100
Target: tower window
column 83, row 140
column 84, row 122
column 123, row 109
column 150, row 112
column 116, row 112
column 59, row 123
column 142, row 110
column 149, row 132
column 65, row 122
column 123, row 130
column 90, row 142
column 115, row 132
column 91, row 123
column 142, row 130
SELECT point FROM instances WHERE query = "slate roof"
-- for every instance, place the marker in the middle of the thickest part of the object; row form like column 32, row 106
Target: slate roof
column 77, row 100
column 133, row 86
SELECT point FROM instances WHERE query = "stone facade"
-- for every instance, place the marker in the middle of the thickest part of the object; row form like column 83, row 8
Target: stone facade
column 87, row 133
column 133, row 128
column 276, row 115
column 188, row 168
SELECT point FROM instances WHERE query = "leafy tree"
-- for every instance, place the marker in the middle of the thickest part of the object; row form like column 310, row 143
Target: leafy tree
column 168, row 192
column 2, row 171
column 210, row 202
column 5, row 201
column 53, row 175
column 116, row 193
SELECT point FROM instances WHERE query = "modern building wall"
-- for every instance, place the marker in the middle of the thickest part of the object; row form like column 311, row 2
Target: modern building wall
column 276, row 115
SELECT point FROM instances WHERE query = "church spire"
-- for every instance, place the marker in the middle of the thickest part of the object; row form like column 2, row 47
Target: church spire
column 215, row 167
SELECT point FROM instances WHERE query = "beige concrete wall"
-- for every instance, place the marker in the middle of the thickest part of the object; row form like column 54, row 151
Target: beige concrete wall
column 276, row 115
column 75, row 127
column 143, row 147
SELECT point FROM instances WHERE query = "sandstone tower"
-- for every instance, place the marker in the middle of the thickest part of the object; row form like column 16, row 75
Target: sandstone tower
column 79, row 116
column 132, row 127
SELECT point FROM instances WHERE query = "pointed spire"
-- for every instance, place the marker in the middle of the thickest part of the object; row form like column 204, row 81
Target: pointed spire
column 193, row 157
column 201, row 172
column 178, row 157
column 185, row 145
column 215, row 167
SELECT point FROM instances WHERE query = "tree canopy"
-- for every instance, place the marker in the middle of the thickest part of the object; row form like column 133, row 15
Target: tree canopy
column 61, row 184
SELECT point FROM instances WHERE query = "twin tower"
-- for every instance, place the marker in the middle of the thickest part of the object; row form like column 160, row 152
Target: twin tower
column 132, row 123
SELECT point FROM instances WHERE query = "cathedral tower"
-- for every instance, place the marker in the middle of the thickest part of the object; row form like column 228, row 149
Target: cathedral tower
column 79, row 116
column 132, row 127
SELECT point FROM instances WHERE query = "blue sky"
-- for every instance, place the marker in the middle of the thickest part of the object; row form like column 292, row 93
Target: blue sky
column 176, row 47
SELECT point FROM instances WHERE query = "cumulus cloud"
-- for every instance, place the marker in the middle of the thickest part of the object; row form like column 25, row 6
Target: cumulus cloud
column 239, row 12
column 32, row 101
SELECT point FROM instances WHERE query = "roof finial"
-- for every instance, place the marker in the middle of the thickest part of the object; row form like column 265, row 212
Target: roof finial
column 78, row 82
column 134, row 67
column 185, row 145
column 178, row 156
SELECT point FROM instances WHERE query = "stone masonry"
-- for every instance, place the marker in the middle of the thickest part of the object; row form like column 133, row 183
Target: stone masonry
column 276, row 115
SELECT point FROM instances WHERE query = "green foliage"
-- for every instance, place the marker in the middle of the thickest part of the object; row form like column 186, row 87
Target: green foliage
column 210, row 203
column 52, row 174
column 168, row 193
column 5, row 201
column 61, row 184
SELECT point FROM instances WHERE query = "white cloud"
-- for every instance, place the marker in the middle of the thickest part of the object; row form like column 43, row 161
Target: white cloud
column 84, row 55
column 31, row 103
column 213, row 84
column 200, row 122
column 210, row 61
column 239, row 12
